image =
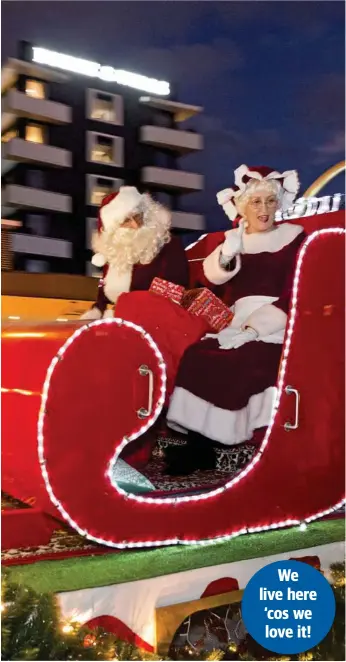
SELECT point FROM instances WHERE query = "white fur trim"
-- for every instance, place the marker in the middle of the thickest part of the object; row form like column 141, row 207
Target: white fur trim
column 267, row 320
column 98, row 260
column 271, row 241
column 212, row 270
column 92, row 314
column 189, row 412
column 108, row 314
column 115, row 283
column 126, row 202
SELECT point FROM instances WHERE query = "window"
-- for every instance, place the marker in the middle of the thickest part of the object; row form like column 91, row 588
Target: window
column 103, row 148
column 36, row 266
column 35, row 89
column 34, row 133
column 38, row 224
column 104, row 107
column 8, row 135
column 99, row 187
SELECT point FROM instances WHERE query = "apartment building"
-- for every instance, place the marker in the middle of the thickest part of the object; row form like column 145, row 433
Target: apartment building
column 74, row 130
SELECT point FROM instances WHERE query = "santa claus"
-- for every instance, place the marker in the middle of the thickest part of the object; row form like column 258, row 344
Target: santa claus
column 134, row 245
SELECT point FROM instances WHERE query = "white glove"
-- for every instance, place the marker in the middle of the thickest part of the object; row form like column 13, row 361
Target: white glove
column 233, row 243
column 240, row 339
column 108, row 314
column 92, row 314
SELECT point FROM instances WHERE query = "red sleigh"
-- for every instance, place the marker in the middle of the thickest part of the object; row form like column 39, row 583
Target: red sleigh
column 77, row 396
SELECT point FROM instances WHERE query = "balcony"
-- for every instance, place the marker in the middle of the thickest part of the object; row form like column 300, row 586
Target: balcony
column 180, row 111
column 173, row 139
column 19, row 150
column 186, row 221
column 24, row 197
column 18, row 104
column 34, row 245
column 164, row 178
column 13, row 68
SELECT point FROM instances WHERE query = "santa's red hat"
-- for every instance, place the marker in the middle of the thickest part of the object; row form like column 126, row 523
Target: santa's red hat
column 115, row 208
column 288, row 181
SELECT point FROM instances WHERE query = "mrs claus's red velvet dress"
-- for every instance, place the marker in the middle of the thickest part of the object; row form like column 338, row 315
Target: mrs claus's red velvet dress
column 225, row 394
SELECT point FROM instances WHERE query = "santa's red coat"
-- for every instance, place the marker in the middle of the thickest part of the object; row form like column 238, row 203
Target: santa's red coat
column 170, row 264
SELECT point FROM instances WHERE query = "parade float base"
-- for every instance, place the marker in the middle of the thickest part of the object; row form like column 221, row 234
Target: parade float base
column 69, row 562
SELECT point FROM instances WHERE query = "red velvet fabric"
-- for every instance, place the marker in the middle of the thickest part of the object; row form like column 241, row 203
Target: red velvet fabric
column 228, row 379
column 310, row 560
column 138, row 453
column 222, row 585
column 29, row 527
column 96, row 390
column 171, row 327
column 26, row 354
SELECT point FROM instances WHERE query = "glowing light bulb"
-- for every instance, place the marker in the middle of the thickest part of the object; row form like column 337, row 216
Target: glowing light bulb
column 67, row 629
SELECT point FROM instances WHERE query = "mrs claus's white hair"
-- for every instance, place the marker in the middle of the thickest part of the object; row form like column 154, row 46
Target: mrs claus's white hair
column 254, row 187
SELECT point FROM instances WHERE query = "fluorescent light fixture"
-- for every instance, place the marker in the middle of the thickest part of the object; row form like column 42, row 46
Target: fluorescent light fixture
column 95, row 70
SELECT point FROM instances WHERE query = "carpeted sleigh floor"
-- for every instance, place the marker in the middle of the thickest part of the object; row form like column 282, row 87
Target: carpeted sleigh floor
column 229, row 463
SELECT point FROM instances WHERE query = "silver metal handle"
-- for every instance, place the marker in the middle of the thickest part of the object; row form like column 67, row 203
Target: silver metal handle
column 295, row 425
column 144, row 372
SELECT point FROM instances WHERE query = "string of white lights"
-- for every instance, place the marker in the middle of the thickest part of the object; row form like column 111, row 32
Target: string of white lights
column 162, row 390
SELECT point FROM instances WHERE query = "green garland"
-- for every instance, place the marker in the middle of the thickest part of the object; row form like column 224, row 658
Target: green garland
column 31, row 629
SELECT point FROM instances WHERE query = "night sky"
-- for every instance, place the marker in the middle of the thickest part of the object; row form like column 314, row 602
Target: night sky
column 270, row 75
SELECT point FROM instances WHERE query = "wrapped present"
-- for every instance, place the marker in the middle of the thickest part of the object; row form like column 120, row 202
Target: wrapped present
column 168, row 290
column 203, row 303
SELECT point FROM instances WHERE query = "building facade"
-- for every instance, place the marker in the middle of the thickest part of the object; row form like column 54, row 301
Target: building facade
column 73, row 131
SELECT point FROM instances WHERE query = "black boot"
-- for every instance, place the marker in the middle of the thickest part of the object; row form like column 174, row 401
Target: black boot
column 198, row 454
column 203, row 450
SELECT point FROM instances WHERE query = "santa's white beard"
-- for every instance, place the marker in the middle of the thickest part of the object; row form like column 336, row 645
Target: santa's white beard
column 125, row 247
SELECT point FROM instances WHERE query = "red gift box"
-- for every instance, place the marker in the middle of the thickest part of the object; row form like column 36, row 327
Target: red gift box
column 200, row 302
column 168, row 290
column 203, row 303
